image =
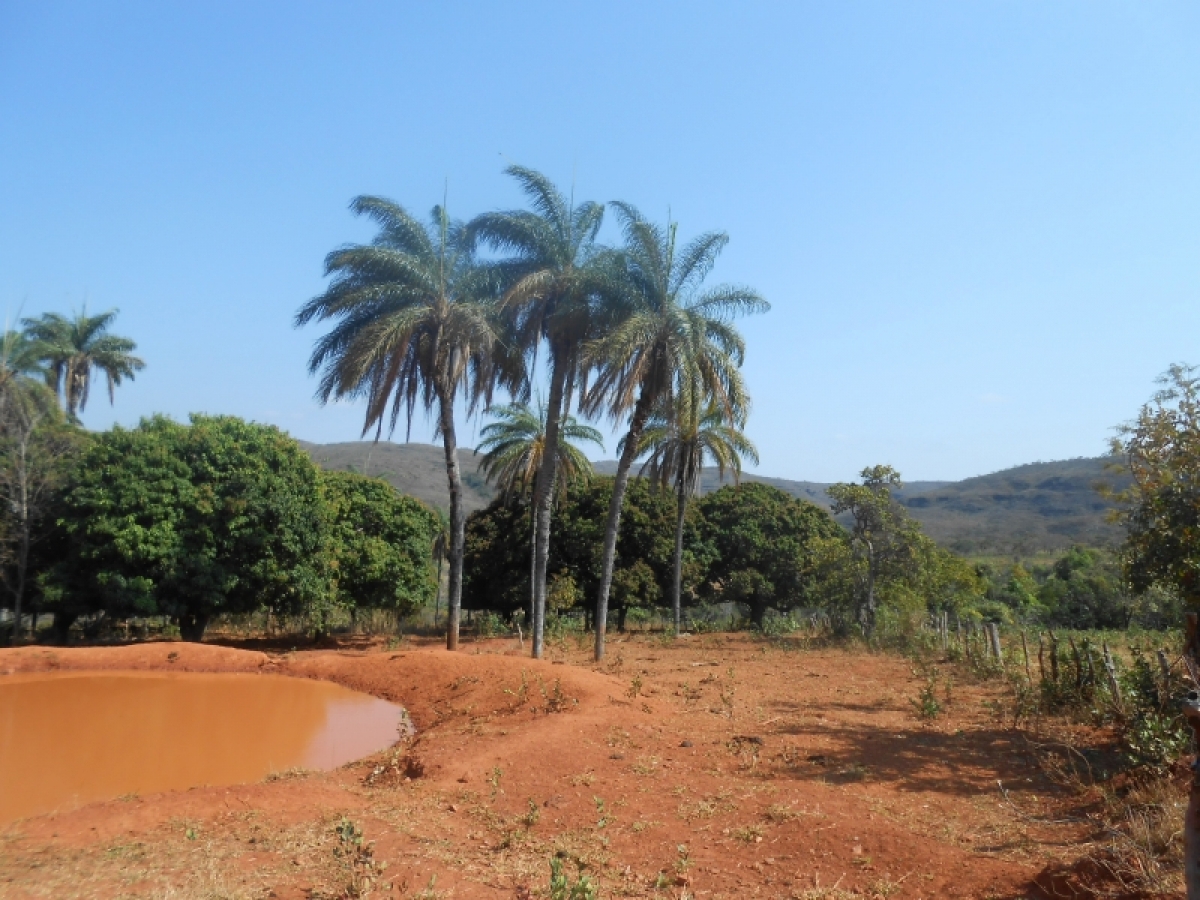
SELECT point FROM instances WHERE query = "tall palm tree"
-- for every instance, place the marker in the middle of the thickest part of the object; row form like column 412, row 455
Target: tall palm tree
column 414, row 327
column 681, row 437
column 553, row 272
column 513, row 448
column 73, row 348
column 668, row 331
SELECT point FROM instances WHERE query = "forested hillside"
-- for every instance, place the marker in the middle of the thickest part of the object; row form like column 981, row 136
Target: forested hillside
column 1025, row 510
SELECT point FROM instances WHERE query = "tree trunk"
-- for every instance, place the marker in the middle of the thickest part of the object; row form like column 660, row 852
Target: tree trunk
column 457, row 520
column 62, row 626
column 533, row 519
column 866, row 617
column 641, row 413
column 677, row 573
column 543, row 499
column 192, row 626
column 23, row 529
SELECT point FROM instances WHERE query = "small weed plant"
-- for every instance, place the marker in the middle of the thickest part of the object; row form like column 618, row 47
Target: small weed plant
column 363, row 871
column 563, row 888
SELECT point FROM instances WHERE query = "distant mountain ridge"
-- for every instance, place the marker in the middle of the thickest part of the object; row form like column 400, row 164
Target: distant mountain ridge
column 1028, row 509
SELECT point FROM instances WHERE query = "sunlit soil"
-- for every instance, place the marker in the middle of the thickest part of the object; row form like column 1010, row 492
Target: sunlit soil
column 710, row 767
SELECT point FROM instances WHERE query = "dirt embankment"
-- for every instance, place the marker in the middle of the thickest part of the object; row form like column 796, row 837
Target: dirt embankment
column 715, row 767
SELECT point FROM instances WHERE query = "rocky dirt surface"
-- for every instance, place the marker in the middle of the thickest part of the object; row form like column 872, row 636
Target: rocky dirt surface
column 714, row 766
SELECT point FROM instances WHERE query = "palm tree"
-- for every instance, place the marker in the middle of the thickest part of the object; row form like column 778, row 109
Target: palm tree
column 668, row 331
column 513, row 448
column 553, row 273
column 72, row 348
column 414, row 326
column 680, row 438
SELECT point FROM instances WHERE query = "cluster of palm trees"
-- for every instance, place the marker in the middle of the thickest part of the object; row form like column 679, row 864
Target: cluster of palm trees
column 430, row 315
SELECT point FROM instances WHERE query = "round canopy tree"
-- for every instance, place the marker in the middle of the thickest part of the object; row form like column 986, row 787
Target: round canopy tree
column 765, row 542
column 380, row 544
column 189, row 521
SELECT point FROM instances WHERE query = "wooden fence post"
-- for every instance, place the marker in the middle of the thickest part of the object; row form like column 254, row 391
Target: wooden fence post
column 1078, row 662
column 993, row 636
column 1164, row 667
column 1111, row 669
column 1025, row 652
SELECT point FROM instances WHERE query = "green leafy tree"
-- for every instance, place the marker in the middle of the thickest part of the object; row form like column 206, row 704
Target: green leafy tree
column 380, row 544
column 882, row 536
column 765, row 544
column 554, row 272
column 680, row 438
column 496, row 557
column 1161, row 509
column 665, row 329
column 513, row 448
column 74, row 348
column 189, row 521
column 414, row 328
column 497, row 552
column 1085, row 590
column 37, row 447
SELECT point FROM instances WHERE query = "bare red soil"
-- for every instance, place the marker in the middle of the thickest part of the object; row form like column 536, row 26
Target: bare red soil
column 714, row 767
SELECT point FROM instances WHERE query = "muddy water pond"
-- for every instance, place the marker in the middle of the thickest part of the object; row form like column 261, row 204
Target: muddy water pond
column 72, row 738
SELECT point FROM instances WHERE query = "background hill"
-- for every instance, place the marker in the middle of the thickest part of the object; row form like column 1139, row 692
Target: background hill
column 418, row 470
column 1042, row 507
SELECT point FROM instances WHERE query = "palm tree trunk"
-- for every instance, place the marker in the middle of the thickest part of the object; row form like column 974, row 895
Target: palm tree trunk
column 641, row 413
column 457, row 521
column 543, row 498
column 532, row 562
column 677, row 575
column 437, row 597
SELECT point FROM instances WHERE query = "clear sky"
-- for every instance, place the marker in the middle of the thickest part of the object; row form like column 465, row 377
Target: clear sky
column 978, row 223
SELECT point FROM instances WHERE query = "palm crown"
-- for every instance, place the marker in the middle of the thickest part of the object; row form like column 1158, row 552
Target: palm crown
column 72, row 348
column 665, row 330
column 413, row 321
column 552, row 268
column 682, row 439
column 513, row 447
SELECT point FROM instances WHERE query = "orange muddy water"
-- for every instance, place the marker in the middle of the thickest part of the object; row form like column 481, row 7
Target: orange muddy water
column 71, row 738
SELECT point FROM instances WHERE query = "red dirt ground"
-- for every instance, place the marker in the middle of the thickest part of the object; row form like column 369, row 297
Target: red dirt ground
column 714, row 767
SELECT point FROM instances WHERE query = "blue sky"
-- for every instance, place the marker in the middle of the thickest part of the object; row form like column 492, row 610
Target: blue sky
column 977, row 223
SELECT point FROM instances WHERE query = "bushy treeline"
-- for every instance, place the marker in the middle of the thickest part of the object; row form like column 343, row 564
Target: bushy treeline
column 216, row 516
column 750, row 545
column 1086, row 588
